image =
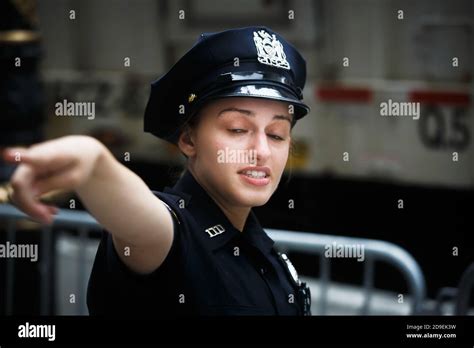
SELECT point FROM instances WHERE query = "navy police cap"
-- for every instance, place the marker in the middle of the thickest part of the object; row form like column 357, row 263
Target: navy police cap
column 247, row 62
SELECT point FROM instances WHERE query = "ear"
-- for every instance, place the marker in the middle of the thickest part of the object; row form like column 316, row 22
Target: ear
column 186, row 143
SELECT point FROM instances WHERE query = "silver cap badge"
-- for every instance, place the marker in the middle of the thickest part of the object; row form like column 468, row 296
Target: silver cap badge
column 270, row 50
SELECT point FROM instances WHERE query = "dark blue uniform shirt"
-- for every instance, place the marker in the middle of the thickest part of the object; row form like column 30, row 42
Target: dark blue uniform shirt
column 211, row 269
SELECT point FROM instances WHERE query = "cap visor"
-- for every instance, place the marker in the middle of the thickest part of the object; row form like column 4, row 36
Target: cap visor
column 265, row 91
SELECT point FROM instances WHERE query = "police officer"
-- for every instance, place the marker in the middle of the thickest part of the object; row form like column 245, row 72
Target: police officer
column 198, row 249
column 212, row 267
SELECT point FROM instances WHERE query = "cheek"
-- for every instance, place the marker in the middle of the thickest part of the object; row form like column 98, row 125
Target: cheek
column 209, row 148
column 281, row 157
column 205, row 141
column 222, row 142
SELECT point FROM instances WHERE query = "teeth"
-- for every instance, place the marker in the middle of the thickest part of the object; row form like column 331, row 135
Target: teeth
column 255, row 174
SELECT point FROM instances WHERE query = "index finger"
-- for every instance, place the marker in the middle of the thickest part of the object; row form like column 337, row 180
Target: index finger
column 15, row 154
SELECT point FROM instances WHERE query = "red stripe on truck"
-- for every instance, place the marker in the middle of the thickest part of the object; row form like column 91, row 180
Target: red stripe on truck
column 440, row 97
column 344, row 94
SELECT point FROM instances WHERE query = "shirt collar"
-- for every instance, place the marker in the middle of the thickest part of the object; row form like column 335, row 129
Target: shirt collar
column 208, row 215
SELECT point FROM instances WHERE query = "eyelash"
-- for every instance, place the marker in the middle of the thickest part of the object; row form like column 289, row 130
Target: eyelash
column 277, row 137
column 237, row 130
column 241, row 131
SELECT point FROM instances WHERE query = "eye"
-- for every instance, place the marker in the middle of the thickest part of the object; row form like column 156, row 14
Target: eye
column 237, row 130
column 276, row 137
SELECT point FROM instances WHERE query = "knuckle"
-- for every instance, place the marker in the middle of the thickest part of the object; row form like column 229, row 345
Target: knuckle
column 16, row 183
column 74, row 178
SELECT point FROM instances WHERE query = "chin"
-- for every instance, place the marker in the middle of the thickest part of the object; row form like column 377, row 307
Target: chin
column 252, row 198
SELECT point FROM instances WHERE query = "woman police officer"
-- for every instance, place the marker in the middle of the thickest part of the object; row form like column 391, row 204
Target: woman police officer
column 196, row 248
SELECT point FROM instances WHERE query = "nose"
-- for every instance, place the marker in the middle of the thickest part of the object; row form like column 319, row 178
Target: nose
column 261, row 146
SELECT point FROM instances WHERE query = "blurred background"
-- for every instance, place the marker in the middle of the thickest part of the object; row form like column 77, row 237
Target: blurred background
column 353, row 172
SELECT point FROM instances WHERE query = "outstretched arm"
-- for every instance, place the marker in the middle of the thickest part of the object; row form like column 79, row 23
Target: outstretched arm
column 113, row 194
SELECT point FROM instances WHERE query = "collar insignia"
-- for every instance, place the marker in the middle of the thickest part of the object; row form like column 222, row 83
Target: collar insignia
column 215, row 230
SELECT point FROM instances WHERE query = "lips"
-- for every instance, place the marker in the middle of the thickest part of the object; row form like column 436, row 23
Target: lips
column 256, row 176
column 256, row 172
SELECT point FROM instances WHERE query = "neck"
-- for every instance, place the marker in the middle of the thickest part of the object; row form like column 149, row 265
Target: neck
column 236, row 215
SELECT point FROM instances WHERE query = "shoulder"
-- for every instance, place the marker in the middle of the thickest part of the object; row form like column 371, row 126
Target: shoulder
column 176, row 202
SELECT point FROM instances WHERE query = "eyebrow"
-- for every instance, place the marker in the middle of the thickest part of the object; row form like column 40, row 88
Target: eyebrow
column 252, row 114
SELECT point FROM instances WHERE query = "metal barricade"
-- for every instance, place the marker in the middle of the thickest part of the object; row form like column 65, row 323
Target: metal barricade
column 72, row 220
column 287, row 240
column 374, row 250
